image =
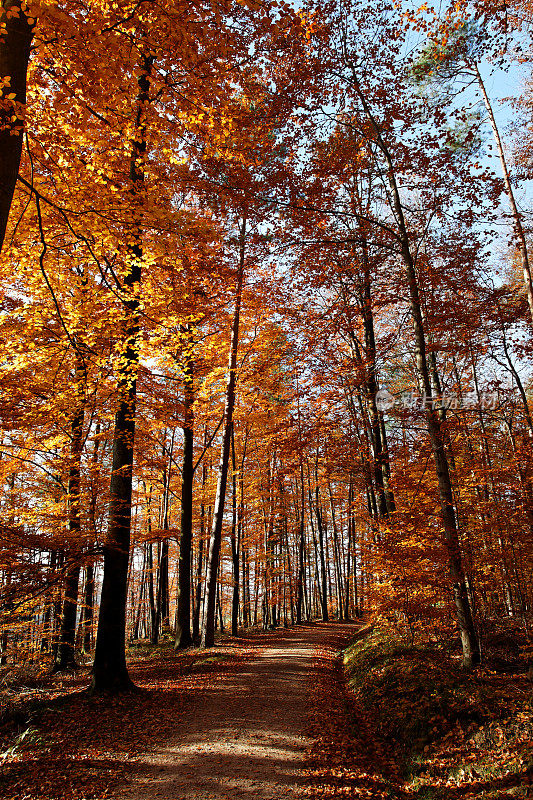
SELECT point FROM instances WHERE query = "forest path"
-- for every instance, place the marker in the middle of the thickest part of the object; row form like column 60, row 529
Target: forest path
column 245, row 736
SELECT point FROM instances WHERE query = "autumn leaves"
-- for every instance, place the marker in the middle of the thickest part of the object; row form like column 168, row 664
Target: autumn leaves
column 234, row 229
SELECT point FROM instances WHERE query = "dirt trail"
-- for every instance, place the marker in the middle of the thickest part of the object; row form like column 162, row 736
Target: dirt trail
column 245, row 737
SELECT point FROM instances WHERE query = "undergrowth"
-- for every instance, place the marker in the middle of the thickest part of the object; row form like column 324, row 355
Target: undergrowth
column 452, row 733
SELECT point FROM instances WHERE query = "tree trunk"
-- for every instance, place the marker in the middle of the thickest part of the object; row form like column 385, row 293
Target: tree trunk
column 15, row 45
column 470, row 645
column 65, row 656
column 321, row 549
column 300, row 582
column 162, row 588
column 301, row 552
column 235, row 543
column 208, row 628
column 110, row 672
column 184, row 636
column 151, row 589
column 240, row 538
column 199, row 570
column 336, row 557
column 140, row 597
column 348, row 553
column 88, row 604
column 163, row 593
column 88, row 612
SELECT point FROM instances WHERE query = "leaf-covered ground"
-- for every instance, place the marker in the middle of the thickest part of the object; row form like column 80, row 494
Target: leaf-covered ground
column 244, row 739
column 347, row 758
column 207, row 725
column 58, row 743
column 387, row 720
column 412, row 724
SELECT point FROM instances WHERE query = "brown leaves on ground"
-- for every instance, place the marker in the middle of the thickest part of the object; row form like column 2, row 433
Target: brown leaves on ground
column 411, row 724
column 487, row 752
column 414, row 725
column 346, row 759
column 79, row 747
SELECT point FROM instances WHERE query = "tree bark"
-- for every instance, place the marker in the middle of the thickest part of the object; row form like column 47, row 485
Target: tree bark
column 324, row 583
column 208, row 628
column 469, row 640
column 183, row 614
column 88, row 605
column 66, row 656
column 301, row 551
column 199, row 569
column 235, row 542
column 163, row 596
column 348, row 553
column 110, row 672
column 15, row 46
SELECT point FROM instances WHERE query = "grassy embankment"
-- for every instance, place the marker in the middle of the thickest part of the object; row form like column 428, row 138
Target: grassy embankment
column 451, row 733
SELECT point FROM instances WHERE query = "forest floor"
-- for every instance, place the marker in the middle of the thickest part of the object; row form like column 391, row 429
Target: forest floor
column 275, row 715
column 419, row 727
column 230, row 722
column 244, row 737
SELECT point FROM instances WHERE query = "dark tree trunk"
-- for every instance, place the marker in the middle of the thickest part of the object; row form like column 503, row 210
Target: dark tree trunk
column 198, row 599
column 163, row 592
column 56, row 605
column 15, row 45
column 142, row 588
column 469, row 640
column 288, row 575
column 379, row 446
column 66, row 656
column 208, row 628
column 269, row 608
column 184, row 636
column 235, row 543
column 151, row 590
column 163, row 599
column 321, row 548
column 219, row 614
column 336, row 556
column 245, row 601
column 316, row 585
column 8, row 578
column 88, row 606
column 245, row 588
column 109, row 669
column 347, row 592
column 88, row 613
column 199, row 570
column 301, row 554
column 110, row 672
column 4, row 636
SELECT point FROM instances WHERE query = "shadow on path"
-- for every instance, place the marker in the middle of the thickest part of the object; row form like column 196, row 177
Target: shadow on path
column 244, row 737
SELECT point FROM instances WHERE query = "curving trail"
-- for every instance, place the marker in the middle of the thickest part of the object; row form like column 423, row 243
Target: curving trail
column 245, row 737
